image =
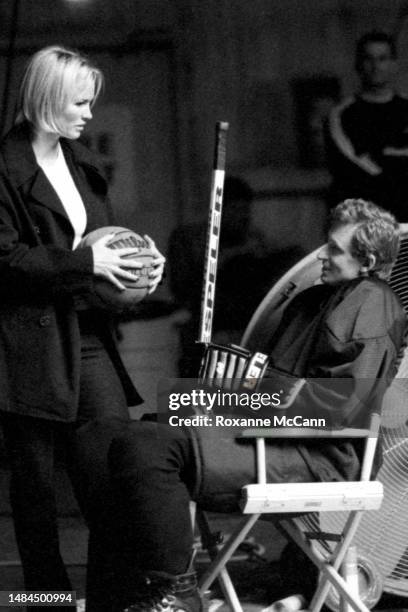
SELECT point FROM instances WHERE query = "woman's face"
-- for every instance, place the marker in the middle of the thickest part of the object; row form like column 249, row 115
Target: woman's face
column 77, row 111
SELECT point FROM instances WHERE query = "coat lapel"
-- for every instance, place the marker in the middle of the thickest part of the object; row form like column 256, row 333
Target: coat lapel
column 44, row 193
column 86, row 172
column 29, row 178
column 26, row 173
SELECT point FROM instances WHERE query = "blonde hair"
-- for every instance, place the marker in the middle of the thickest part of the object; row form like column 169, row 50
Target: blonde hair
column 49, row 82
column 377, row 233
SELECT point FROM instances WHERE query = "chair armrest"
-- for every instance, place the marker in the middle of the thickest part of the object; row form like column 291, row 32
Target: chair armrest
column 305, row 432
column 311, row 496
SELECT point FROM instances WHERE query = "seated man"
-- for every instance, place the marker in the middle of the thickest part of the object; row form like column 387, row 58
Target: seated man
column 352, row 326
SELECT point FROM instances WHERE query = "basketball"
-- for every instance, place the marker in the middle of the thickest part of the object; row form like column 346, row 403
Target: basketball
column 109, row 297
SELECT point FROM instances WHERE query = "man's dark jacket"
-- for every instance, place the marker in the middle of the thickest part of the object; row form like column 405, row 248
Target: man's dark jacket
column 352, row 334
column 41, row 279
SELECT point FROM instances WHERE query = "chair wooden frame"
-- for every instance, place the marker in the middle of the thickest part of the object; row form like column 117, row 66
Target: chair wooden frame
column 328, row 558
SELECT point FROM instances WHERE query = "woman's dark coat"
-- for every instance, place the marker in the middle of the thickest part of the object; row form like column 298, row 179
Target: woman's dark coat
column 41, row 280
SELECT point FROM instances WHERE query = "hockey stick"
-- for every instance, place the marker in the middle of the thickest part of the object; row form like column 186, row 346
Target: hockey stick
column 213, row 233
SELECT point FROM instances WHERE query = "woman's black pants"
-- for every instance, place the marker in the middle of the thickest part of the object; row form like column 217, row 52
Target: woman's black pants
column 32, row 444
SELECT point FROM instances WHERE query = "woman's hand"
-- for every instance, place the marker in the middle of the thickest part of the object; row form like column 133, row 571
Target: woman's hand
column 110, row 263
column 156, row 274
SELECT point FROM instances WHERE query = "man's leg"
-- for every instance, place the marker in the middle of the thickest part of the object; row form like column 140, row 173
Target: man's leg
column 153, row 469
column 30, row 446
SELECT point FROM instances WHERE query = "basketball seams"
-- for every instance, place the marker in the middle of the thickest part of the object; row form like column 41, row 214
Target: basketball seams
column 124, row 239
column 106, row 294
column 128, row 239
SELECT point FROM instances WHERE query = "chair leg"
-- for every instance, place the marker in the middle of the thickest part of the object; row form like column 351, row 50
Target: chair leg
column 338, row 555
column 219, row 557
column 330, row 568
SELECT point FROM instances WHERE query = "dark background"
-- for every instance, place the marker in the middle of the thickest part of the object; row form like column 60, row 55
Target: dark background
column 271, row 68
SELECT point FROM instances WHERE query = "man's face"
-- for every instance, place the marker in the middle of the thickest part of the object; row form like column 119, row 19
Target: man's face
column 338, row 262
column 376, row 66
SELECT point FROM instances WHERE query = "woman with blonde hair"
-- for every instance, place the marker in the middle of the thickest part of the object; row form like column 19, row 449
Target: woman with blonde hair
column 59, row 366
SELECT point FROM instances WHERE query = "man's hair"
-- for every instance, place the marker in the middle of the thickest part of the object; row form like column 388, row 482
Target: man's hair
column 376, row 233
column 375, row 36
column 49, row 82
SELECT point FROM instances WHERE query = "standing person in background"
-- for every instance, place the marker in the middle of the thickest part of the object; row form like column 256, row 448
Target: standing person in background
column 368, row 133
column 59, row 367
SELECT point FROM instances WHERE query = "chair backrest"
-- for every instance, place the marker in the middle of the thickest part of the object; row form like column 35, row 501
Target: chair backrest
column 383, row 535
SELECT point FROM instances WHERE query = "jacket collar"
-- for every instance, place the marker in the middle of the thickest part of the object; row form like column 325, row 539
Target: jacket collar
column 20, row 159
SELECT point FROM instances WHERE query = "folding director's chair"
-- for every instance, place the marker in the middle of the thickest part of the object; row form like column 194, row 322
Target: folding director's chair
column 299, row 506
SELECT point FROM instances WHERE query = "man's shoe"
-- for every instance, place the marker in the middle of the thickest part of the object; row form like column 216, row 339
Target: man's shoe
column 162, row 592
